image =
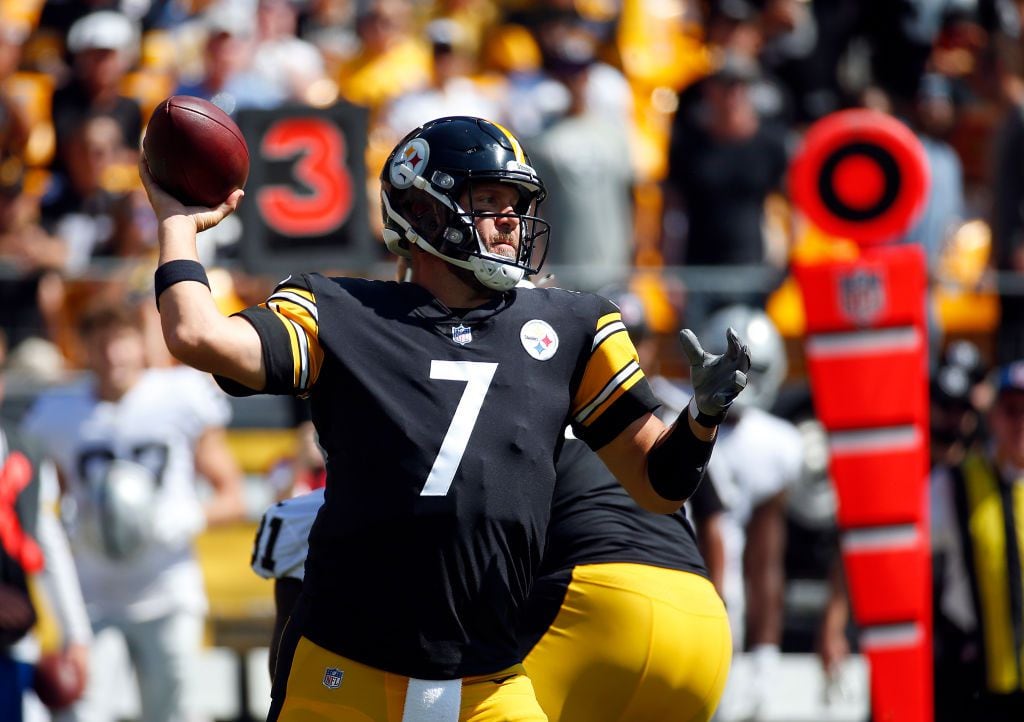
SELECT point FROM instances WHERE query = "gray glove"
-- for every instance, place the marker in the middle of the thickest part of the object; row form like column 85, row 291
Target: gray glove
column 717, row 379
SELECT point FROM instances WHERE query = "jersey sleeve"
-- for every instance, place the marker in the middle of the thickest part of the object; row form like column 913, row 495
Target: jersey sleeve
column 613, row 391
column 289, row 332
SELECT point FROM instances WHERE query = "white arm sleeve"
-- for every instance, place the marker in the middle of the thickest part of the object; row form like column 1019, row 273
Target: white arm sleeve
column 59, row 578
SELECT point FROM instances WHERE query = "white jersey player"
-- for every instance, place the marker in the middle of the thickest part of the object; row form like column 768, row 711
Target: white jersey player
column 758, row 456
column 129, row 443
column 282, row 540
column 279, row 553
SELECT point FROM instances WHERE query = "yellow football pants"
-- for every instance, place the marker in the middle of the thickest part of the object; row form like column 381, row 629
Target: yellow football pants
column 633, row 643
column 354, row 692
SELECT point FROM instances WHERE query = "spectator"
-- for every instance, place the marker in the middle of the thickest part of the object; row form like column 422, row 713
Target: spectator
column 14, row 129
column 585, row 157
column 31, row 263
column 722, row 166
column 976, row 540
column 287, row 65
column 103, row 45
column 156, row 431
column 227, row 80
column 934, row 118
column 531, row 98
column 391, row 59
column 453, row 89
column 84, row 209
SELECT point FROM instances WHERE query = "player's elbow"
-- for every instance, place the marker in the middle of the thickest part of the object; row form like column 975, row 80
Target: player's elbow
column 193, row 344
column 186, row 343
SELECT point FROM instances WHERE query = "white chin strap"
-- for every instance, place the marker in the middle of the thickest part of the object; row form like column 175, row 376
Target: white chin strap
column 496, row 275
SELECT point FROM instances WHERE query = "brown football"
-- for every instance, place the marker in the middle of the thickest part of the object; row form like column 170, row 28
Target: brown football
column 195, row 151
column 57, row 680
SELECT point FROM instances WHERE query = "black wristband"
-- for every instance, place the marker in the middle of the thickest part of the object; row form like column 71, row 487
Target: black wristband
column 676, row 465
column 706, row 420
column 175, row 272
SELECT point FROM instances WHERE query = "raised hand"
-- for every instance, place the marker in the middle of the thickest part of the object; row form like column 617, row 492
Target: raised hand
column 717, row 378
column 167, row 206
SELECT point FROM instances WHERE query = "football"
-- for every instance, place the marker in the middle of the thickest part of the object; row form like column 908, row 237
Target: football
column 195, row 151
column 57, row 680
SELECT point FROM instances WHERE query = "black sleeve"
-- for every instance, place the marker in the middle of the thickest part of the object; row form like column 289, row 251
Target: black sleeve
column 277, row 358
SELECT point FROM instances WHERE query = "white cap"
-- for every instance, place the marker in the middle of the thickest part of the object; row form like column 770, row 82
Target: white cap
column 230, row 18
column 103, row 30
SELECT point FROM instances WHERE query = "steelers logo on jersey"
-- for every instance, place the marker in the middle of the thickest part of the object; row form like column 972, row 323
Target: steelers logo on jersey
column 409, row 163
column 539, row 339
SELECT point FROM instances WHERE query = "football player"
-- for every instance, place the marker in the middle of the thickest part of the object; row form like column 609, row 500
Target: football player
column 279, row 553
column 129, row 443
column 440, row 404
column 621, row 624
column 760, row 457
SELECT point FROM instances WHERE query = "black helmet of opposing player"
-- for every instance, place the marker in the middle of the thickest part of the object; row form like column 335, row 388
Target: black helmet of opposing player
column 425, row 198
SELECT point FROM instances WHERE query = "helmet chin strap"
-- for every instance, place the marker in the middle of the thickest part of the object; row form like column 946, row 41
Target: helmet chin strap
column 495, row 275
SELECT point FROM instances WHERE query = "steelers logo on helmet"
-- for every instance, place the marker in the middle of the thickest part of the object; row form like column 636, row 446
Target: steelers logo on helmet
column 437, row 166
column 861, row 174
column 539, row 339
column 409, row 162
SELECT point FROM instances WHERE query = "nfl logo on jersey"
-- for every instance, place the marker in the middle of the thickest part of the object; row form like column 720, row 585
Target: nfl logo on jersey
column 332, row 677
column 462, row 334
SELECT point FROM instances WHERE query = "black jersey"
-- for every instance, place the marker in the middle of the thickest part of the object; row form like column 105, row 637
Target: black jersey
column 594, row 520
column 441, row 433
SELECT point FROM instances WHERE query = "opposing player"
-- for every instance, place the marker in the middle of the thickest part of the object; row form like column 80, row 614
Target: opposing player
column 279, row 553
column 759, row 457
column 441, row 405
column 129, row 443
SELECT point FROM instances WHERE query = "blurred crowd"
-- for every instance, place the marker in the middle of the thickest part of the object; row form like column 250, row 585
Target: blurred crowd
column 663, row 130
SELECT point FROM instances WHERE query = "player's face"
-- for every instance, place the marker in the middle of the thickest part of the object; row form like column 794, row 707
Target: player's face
column 116, row 356
column 499, row 229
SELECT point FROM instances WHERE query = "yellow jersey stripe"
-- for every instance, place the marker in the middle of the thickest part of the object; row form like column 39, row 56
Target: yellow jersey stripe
column 297, row 309
column 987, row 531
column 607, row 361
column 298, row 296
column 606, row 331
column 607, row 319
column 293, row 342
column 631, row 374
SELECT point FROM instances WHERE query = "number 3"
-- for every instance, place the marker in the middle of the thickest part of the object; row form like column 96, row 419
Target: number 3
column 478, row 377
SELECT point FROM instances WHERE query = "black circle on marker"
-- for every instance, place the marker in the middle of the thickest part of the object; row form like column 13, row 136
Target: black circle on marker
column 890, row 172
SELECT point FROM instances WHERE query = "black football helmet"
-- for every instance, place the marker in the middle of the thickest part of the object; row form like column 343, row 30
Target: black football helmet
column 439, row 161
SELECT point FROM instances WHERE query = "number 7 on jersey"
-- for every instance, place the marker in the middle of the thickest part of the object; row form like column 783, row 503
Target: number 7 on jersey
column 477, row 377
